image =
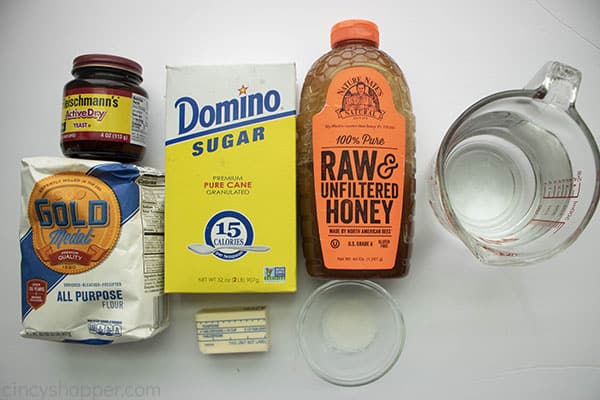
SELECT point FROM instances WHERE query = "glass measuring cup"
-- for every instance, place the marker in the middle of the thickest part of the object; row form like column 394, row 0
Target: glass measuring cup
column 517, row 176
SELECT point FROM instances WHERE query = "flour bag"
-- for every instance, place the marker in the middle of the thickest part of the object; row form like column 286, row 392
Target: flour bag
column 91, row 237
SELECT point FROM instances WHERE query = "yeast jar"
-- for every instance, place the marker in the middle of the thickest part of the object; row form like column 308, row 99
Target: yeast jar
column 356, row 159
column 105, row 110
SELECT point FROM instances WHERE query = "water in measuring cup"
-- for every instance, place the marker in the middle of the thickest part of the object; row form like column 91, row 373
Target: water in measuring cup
column 495, row 177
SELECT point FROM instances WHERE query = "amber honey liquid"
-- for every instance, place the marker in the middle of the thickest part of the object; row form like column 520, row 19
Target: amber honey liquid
column 356, row 127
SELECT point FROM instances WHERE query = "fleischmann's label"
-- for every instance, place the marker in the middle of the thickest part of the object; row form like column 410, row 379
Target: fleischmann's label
column 358, row 153
column 75, row 221
column 104, row 114
column 230, row 189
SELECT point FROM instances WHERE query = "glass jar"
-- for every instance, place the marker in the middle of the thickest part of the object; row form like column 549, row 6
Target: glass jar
column 105, row 110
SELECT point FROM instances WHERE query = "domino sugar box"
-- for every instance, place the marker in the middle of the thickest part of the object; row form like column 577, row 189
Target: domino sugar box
column 230, row 193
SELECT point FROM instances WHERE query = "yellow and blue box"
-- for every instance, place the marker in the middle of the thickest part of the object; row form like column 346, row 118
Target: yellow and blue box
column 230, row 193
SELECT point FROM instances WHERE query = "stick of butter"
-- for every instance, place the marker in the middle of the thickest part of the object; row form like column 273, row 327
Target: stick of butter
column 232, row 330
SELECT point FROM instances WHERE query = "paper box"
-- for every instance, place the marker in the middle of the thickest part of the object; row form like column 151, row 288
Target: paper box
column 230, row 206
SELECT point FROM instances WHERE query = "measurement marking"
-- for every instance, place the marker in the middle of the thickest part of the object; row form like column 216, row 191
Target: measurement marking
column 548, row 220
column 232, row 320
column 498, row 241
column 569, row 196
column 232, row 339
column 559, row 224
column 210, row 326
column 231, row 334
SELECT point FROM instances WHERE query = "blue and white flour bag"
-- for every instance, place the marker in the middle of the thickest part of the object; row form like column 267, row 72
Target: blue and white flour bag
column 91, row 236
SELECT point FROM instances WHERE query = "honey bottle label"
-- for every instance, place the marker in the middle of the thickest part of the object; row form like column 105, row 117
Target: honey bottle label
column 358, row 153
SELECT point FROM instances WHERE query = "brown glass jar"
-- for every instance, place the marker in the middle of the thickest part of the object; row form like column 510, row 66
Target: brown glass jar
column 105, row 110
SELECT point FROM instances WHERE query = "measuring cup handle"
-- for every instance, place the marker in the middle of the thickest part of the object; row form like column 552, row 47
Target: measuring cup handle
column 557, row 84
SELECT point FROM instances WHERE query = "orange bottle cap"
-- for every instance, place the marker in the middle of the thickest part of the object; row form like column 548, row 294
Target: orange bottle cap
column 354, row 29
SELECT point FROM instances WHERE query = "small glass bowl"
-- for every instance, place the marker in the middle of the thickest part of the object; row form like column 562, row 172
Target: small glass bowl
column 351, row 332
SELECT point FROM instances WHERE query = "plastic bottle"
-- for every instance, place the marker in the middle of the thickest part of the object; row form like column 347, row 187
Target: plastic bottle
column 356, row 159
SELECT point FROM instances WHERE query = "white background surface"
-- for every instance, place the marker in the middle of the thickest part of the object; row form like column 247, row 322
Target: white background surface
column 474, row 332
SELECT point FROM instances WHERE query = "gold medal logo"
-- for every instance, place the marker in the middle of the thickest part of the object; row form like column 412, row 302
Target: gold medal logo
column 75, row 221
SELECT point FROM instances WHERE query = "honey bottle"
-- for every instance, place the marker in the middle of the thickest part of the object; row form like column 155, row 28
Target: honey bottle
column 356, row 159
